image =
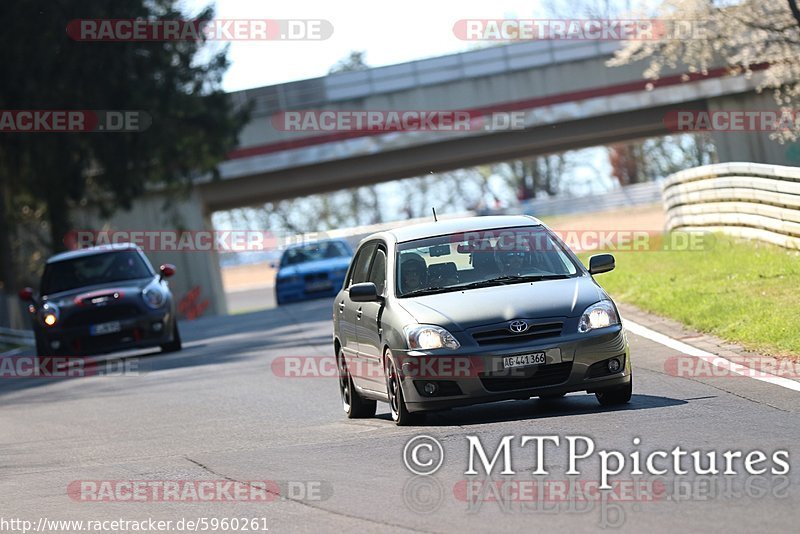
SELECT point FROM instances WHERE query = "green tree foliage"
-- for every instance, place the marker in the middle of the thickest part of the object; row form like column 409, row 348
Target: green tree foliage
column 178, row 83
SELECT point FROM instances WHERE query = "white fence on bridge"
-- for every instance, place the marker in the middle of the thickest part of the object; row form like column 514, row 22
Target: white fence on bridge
column 749, row 200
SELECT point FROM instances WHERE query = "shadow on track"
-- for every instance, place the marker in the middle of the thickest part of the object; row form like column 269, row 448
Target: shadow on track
column 533, row 409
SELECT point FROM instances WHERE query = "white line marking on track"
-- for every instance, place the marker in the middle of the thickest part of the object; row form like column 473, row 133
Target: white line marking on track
column 713, row 359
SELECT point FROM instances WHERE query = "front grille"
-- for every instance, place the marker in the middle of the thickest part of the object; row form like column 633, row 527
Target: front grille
column 101, row 314
column 315, row 277
column 496, row 336
column 533, row 377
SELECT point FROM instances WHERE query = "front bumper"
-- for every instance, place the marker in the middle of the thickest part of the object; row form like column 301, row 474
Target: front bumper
column 143, row 331
column 298, row 291
column 472, row 375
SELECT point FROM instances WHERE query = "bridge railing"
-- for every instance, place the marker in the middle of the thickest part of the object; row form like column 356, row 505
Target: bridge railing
column 749, row 200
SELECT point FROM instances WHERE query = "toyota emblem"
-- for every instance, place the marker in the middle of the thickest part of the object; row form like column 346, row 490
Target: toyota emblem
column 518, row 326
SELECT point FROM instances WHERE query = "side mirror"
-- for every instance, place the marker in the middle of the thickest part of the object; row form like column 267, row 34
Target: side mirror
column 26, row 294
column 601, row 263
column 167, row 270
column 364, row 292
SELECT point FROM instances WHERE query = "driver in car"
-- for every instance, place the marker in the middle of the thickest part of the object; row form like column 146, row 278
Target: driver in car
column 513, row 262
column 414, row 272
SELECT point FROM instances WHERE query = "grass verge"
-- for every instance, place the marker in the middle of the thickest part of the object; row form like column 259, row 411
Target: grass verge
column 741, row 291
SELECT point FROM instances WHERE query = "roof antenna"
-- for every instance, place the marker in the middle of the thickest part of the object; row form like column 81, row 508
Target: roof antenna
column 434, row 214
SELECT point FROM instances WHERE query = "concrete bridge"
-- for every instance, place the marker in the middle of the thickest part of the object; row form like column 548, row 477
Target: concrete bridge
column 560, row 93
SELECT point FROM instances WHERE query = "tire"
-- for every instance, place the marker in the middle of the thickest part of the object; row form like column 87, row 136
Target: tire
column 397, row 403
column 355, row 406
column 617, row 396
column 175, row 345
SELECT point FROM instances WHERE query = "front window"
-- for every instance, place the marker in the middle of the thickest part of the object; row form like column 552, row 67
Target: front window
column 314, row 252
column 92, row 270
column 483, row 258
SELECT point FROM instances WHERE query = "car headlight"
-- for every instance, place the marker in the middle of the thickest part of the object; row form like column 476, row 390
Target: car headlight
column 50, row 314
column 427, row 337
column 340, row 273
column 599, row 315
column 154, row 297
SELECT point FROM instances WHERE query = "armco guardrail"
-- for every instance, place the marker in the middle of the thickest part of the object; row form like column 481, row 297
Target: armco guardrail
column 631, row 195
column 750, row 200
column 16, row 337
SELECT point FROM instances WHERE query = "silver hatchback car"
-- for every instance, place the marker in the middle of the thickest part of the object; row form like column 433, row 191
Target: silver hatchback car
column 465, row 311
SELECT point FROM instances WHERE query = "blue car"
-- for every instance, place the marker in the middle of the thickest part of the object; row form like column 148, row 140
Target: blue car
column 312, row 270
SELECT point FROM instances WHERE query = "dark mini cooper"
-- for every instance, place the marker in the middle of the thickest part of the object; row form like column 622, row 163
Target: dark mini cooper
column 463, row 311
column 103, row 299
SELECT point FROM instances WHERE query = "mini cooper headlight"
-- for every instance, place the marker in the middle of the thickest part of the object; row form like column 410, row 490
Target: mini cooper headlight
column 427, row 337
column 599, row 315
column 50, row 314
column 154, row 297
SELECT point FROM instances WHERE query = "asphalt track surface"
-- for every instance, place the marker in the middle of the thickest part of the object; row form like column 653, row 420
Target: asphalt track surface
column 218, row 411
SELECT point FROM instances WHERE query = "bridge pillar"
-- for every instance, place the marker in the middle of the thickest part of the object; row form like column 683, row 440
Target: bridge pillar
column 754, row 147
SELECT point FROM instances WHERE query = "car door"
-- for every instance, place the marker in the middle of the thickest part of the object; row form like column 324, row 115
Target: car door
column 347, row 310
column 368, row 321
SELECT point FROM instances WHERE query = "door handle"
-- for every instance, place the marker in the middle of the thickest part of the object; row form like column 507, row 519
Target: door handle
column 358, row 314
column 341, row 307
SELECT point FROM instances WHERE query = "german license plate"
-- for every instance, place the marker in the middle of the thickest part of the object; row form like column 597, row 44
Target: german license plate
column 319, row 286
column 105, row 328
column 524, row 360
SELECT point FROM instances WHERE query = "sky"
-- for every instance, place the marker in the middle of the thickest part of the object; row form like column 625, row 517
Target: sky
column 389, row 33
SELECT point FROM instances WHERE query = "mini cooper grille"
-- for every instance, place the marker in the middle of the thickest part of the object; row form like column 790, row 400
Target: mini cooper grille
column 101, row 315
column 533, row 377
column 502, row 334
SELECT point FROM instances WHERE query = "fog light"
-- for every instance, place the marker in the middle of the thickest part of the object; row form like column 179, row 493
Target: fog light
column 55, row 345
column 614, row 365
column 430, row 388
column 50, row 319
column 157, row 326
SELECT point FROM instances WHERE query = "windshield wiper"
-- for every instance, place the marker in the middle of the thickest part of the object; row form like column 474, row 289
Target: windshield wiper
column 426, row 291
column 510, row 279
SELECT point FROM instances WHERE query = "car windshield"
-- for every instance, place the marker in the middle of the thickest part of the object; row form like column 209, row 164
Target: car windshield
column 314, row 252
column 93, row 270
column 478, row 259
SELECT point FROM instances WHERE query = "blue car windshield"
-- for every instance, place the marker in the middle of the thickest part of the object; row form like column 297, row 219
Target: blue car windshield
column 314, row 252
